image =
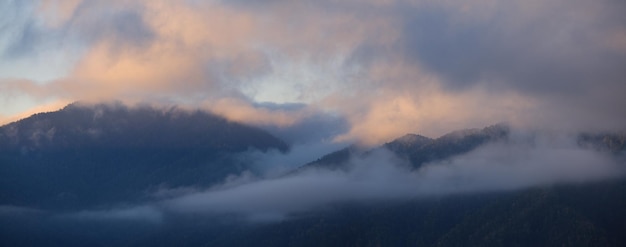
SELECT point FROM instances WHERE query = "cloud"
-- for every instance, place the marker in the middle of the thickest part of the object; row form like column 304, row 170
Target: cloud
column 392, row 113
column 242, row 110
column 555, row 53
column 142, row 214
column 520, row 165
column 274, row 163
column 14, row 211
column 57, row 12
column 424, row 66
column 522, row 162
column 526, row 159
column 322, row 74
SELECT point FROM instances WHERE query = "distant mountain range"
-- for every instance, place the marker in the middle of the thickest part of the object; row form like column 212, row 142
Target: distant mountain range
column 88, row 156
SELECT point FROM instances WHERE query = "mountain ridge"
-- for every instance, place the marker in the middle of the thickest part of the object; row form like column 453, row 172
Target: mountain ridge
column 57, row 159
column 45, row 175
column 419, row 150
column 116, row 125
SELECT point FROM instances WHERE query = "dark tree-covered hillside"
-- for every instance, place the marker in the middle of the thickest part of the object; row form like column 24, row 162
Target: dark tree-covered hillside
column 86, row 155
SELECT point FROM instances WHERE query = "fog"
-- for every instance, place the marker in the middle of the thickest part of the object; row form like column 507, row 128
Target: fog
column 381, row 176
column 142, row 213
column 274, row 163
column 521, row 162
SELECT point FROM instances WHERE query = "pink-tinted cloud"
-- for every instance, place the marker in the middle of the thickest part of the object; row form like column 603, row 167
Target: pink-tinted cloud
column 388, row 67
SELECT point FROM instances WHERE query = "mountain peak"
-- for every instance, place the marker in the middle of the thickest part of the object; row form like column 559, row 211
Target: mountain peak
column 495, row 131
column 408, row 142
column 412, row 139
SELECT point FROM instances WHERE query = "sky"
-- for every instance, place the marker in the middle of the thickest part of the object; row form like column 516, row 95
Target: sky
column 380, row 68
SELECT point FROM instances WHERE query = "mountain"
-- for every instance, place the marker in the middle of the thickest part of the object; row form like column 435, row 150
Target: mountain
column 116, row 126
column 408, row 143
column 87, row 175
column 419, row 150
column 59, row 159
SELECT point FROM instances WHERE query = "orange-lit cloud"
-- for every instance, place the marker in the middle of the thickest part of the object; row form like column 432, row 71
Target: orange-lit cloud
column 243, row 111
column 433, row 114
column 387, row 67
